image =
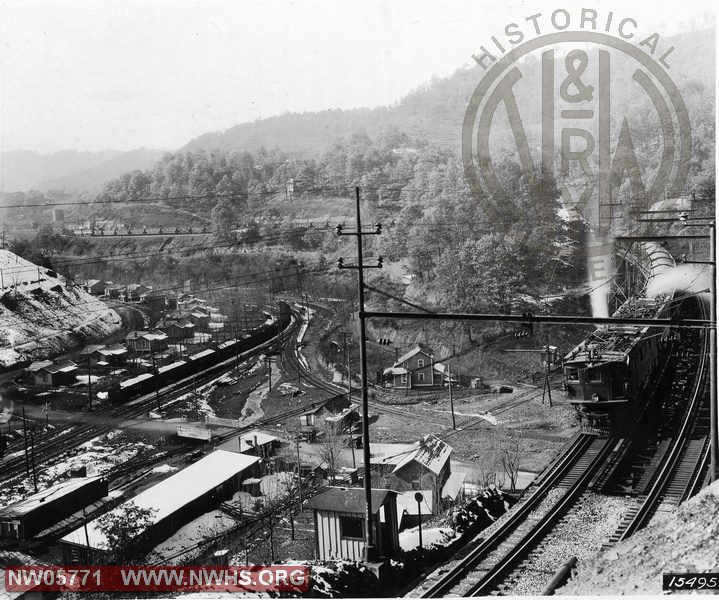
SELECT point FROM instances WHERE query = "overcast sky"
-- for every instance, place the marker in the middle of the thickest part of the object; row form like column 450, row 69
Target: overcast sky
column 121, row 74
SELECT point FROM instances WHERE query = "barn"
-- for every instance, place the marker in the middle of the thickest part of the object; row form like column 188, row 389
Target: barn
column 176, row 501
column 26, row 518
column 339, row 520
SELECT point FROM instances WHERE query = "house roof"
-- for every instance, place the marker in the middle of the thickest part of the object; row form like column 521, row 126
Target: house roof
column 432, row 453
column 92, row 348
column 147, row 335
column 38, row 365
column 37, row 500
column 351, row 500
column 173, row 493
column 64, row 366
column 247, row 441
column 344, row 414
column 390, row 454
column 137, row 286
column 416, row 350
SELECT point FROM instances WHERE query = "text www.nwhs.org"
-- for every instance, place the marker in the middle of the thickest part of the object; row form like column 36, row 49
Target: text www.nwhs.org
column 293, row 578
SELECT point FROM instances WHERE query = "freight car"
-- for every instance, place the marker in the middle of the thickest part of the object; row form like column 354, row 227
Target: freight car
column 142, row 384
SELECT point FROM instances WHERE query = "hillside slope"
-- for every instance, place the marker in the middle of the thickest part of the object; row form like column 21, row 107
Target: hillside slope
column 40, row 315
column 433, row 112
column 93, row 178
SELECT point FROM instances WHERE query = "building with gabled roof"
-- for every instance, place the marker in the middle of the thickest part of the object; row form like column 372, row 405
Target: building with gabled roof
column 425, row 465
column 147, row 341
column 104, row 356
column 175, row 501
column 415, row 369
column 46, row 372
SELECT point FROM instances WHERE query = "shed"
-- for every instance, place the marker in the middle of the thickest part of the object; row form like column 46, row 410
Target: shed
column 23, row 519
column 340, row 524
column 175, row 501
column 259, row 443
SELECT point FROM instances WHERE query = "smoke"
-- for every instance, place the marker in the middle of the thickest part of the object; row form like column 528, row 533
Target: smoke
column 600, row 271
column 685, row 278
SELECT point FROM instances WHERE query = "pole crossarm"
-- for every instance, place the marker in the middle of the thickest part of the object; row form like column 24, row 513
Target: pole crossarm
column 551, row 319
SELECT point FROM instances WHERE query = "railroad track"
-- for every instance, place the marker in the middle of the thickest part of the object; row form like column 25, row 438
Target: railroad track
column 54, row 444
column 481, row 565
column 679, row 472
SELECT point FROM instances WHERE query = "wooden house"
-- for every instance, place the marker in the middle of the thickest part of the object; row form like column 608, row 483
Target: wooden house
column 105, row 356
column 134, row 291
column 145, row 341
column 342, row 422
column 414, row 370
column 53, row 374
column 115, row 291
column 316, row 416
column 97, row 287
column 176, row 330
column 155, row 299
column 426, row 468
column 339, row 523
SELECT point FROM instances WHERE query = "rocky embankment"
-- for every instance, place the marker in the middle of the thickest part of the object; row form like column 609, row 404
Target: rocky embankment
column 42, row 315
column 683, row 541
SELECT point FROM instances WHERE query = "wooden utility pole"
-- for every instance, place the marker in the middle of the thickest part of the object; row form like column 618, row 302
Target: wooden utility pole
column 32, row 457
column 24, row 441
column 451, row 399
column 299, row 470
column 369, row 549
column 157, row 391
column 89, row 384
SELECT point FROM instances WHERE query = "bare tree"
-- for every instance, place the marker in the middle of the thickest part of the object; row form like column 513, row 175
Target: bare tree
column 509, row 456
column 330, row 450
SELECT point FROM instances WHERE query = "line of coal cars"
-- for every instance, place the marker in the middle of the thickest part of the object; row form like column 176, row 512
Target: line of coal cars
column 141, row 384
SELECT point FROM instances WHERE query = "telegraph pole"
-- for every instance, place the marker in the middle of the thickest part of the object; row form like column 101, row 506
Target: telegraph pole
column 157, row 391
column 24, row 441
column 451, row 399
column 369, row 549
column 89, row 383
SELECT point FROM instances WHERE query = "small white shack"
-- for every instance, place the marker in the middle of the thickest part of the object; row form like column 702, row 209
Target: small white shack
column 340, row 523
